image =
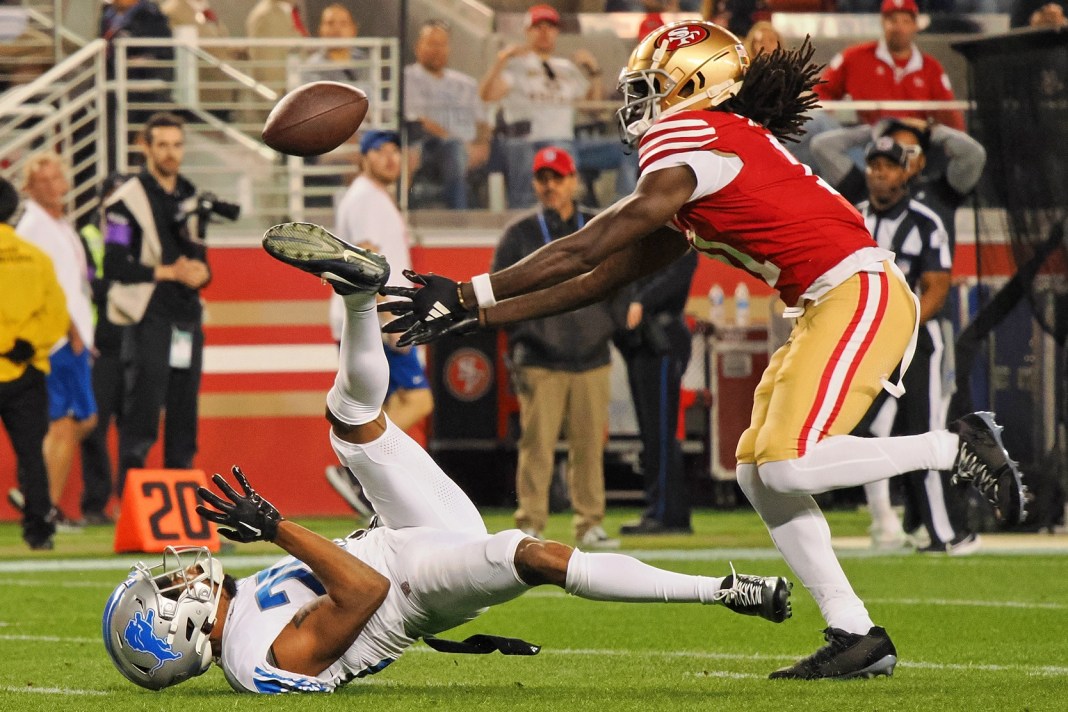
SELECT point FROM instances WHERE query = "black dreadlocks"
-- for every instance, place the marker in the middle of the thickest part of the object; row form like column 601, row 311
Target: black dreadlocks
column 777, row 91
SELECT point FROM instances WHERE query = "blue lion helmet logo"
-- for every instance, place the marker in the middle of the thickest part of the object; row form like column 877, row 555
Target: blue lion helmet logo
column 139, row 636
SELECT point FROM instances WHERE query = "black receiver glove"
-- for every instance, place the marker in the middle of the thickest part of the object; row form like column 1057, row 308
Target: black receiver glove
column 21, row 352
column 435, row 299
column 425, row 332
column 246, row 518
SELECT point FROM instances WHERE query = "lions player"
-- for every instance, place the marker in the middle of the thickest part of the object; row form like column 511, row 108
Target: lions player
column 335, row 611
column 714, row 178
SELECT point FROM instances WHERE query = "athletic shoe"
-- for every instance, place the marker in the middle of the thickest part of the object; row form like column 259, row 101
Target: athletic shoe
column 311, row 248
column 15, row 498
column 651, row 527
column 346, row 485
column 982, row 461
column 845, row 656
column 597, row 538
column 764, row 596
column 97, row 519
column 46, row 544
column 532, row 533
column 888, row 539
column 962, row 545
column 63, row 523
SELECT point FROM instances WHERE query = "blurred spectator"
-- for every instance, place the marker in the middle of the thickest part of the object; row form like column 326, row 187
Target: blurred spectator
column 762, row 37
column 560, row 369
column 200, row 15
column 368, row 216
column 918, row 238
column 155, row 258
column 452, row 136
column 944, row 164
column 892, row 68
column 136, row 19
column 72, row 411
column 656, row 346
column 337, row 63
column 1039, row 13
column 97, row 470
column 272, row 19
column 653, row 19
column 33, row 316
column 737, row 16
column 537, row 92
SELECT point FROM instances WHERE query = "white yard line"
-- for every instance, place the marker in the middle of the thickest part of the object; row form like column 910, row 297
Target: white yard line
column 52, row 691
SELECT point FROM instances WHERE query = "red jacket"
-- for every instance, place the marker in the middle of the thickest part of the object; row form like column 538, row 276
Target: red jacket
column 867, row 72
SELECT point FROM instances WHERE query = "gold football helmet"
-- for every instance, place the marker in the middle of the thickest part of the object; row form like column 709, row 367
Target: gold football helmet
column 683, row 65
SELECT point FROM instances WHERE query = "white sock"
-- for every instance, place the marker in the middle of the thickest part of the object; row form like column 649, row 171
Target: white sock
column 615, row 577
column 848, row 461
column 363, row 373
column 800, row 532
column 883, row 516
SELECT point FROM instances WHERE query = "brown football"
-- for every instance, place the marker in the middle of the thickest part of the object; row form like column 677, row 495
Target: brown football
column 315, row 118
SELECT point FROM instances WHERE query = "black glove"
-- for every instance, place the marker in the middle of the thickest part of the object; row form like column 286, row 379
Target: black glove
column 437, row 298
column 21, row 352
column 425, row 332
column 248, row 518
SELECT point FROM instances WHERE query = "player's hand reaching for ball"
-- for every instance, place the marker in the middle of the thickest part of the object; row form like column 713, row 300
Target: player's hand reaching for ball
column 432, row 310
column 245, row 518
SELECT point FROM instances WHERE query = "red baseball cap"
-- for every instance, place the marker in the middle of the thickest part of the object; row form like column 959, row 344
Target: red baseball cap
column 556, row 160
column 542, row 13
column 891, row 6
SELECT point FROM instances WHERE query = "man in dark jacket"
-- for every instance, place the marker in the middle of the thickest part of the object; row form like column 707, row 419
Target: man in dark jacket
column 560, row 367
column 656, row 345
column 155, row 260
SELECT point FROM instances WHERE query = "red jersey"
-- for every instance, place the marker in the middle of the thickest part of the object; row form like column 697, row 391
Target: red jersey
column 756, row 207
column 868, row 72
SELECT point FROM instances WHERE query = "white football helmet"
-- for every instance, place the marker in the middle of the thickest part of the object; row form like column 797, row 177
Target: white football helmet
column 156, row 623
column 683, row 65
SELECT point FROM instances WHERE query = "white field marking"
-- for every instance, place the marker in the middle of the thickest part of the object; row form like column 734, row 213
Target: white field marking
column 123, row 563
column 38, row 583
column 549, row 593
column 48, row 639
column 52, row 691
column 1031, row 670
column 726, row 674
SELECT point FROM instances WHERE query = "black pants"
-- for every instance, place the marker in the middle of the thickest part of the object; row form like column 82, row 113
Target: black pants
column 152, row 385
column 928, row 498
column 24, row 412
column 108, row 391
column 655, row 380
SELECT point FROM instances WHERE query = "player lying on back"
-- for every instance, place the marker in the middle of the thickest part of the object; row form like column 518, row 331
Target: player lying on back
column 714, row 178
column 337, row 610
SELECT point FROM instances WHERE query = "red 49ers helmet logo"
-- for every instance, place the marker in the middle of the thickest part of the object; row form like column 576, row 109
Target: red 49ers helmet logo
column 468, row 374
column 683, row 36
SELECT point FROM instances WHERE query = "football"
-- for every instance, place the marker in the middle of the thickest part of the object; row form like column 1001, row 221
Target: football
column 315, row 118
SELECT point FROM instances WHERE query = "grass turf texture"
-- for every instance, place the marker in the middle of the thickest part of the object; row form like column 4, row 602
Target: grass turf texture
column 987, row 632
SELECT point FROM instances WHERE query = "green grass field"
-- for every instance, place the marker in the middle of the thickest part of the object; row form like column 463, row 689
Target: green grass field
column 986, row 632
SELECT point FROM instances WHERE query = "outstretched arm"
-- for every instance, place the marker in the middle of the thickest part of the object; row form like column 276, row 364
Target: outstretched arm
column 655, row 200
column 325, row 628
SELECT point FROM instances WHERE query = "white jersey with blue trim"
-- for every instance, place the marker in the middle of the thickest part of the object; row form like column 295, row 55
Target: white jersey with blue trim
column 267, row 601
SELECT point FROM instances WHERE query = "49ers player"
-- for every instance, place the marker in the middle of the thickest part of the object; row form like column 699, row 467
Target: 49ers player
column 714, row 178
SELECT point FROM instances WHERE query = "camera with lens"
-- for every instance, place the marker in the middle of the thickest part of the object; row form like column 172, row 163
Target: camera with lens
column 209, row 204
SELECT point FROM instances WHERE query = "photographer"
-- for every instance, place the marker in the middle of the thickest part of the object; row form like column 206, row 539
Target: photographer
column 155, row 258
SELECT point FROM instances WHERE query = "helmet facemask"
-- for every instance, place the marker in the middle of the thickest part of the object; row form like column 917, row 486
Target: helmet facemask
column 688, row 65
column 157, row 622
column 642, row 92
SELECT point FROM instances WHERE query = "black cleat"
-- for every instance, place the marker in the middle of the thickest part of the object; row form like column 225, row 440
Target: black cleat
column 845, row 656
column 764, row 596
column 313, row 249
column 983, row 462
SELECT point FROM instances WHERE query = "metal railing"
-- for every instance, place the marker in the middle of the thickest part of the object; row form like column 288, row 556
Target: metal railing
column 64, row 110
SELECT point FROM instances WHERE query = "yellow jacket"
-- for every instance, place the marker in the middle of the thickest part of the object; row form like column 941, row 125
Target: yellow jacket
column 32, row 305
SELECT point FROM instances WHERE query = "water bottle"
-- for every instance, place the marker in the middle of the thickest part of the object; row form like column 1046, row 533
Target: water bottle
column 741, row 305
column 715, row 304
